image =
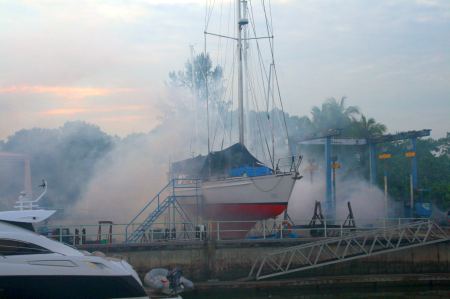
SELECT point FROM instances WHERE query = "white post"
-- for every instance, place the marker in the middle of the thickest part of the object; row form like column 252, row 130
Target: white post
column 264, row 229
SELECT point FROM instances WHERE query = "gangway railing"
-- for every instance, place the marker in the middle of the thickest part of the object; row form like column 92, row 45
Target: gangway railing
column 160, row 203
column 346, row 248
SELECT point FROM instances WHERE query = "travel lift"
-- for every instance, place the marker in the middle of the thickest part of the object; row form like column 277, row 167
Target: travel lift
column 329, row 139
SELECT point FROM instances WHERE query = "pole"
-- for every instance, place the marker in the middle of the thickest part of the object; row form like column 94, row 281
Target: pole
column 328, row 199
column 195, row 104
column 207, row 98
column 372, row 163
column 246, row 72
column 240, row 74
column 411, row 202
column 414, row 162
column 385, row 195
column 334, row 191
column 27, row 179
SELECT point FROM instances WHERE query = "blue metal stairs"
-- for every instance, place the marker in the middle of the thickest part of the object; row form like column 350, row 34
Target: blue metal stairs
column 169, row 195
column 138, row 233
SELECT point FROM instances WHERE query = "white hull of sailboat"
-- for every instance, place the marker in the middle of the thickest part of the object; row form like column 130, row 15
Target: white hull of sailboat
column 269, row 189
column 240, row 198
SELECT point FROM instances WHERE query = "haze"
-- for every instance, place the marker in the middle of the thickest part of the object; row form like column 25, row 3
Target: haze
column 106, row 62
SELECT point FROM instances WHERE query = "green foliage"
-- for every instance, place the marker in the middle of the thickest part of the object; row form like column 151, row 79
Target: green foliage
column 433, row 171
column 65, row 157
column 201, row 77
column 366, row 128
column 333, row 114
column 433, row 155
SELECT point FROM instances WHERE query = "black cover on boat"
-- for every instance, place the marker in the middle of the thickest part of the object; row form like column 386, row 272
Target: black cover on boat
column 219, row 163
column 190, row 168
column 216, row 163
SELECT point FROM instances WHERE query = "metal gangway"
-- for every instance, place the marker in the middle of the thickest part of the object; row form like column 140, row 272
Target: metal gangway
column 350, row 247
column 166, row 199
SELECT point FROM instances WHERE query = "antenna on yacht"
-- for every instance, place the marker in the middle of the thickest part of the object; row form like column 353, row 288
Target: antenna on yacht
column 25, row 203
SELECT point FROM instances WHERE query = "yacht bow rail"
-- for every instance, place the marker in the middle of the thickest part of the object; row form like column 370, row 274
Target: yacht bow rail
column 288, row 164
column 346, row 248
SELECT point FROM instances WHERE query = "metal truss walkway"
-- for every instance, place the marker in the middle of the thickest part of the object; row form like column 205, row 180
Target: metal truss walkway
column 346, row 248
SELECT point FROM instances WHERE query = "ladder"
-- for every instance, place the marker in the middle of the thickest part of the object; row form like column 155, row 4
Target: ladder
column 139, row 232
column 341, row 249
column 160, row 204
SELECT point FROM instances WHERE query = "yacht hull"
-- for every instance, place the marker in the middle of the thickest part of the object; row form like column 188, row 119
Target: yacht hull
column 69, row 286
column 33, row 266
column 244, row 200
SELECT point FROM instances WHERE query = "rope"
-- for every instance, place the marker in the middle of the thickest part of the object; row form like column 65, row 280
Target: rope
column 268, row 190
column 270, row 33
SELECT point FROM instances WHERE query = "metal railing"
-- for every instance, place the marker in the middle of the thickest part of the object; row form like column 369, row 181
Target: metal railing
column 86, row 234
column 288, row 164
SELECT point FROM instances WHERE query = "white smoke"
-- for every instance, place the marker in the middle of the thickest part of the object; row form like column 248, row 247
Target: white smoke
column 128, row 177
column 367, row 201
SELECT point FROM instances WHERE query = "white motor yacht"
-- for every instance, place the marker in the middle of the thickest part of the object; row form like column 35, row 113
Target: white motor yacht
column 33, row 266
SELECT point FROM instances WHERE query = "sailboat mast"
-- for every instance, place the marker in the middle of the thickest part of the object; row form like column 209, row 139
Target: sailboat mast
column 241, row 22
column 245, row 47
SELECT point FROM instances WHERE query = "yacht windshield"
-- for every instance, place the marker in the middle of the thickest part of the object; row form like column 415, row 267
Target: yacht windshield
column 15, row 247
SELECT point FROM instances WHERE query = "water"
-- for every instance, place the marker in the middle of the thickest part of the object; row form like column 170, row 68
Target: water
column 362, row 293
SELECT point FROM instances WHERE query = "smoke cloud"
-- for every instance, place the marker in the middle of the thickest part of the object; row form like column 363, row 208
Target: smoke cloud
column 367, row 201
column 137, row 168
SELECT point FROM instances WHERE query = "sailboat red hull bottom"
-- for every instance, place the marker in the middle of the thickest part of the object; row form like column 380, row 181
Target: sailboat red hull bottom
column 233, row 221
column 243, row 211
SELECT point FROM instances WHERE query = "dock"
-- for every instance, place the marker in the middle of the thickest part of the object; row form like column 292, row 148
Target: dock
column 360, row 281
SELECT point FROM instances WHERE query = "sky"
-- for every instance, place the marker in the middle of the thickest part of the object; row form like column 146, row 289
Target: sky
column 106, row 62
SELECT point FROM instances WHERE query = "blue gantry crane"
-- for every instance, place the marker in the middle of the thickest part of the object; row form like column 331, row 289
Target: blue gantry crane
column 329, row 139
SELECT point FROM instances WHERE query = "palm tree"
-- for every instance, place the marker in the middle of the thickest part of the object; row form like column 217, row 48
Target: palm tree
column 333, row 114
column 367, row 127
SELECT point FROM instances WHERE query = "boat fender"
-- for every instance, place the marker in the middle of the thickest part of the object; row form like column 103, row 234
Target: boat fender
column 156, row 279
column 187, row 284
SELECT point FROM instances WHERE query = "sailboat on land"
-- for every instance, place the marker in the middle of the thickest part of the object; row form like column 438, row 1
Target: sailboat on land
column 233, row 184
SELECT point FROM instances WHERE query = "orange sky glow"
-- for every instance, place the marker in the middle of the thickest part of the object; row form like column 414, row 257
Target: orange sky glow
column 69, row 92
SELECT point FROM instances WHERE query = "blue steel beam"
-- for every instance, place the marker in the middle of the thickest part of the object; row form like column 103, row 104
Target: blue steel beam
column 400, row 136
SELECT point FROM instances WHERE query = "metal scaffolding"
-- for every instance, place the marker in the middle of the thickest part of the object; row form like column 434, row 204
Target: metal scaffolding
column 164, row 202
column 346, row 248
